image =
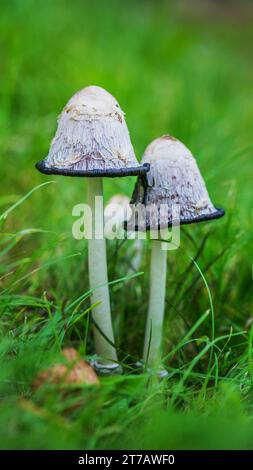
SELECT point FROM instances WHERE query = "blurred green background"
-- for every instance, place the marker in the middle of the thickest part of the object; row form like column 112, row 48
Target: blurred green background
column 183, row 68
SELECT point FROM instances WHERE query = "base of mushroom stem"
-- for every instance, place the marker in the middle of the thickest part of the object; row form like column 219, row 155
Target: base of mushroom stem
column 158, row 372
column 104, row 369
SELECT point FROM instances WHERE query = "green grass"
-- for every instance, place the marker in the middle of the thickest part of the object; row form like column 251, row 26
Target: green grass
column 184, row 74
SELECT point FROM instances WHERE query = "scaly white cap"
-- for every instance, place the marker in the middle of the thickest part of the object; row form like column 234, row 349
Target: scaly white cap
column 173, row 180
column 92, row 139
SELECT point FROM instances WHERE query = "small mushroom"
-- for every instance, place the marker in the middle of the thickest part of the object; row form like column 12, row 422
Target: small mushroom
column 92, row 140
column 174, row 180
column 117, row 211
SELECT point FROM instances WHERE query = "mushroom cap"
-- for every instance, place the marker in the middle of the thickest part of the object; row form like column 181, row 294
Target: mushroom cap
column 92, row 139
column 175, row 180
column 117, row 210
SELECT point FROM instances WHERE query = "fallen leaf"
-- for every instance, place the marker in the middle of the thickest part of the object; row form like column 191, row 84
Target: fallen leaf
column 75, row 371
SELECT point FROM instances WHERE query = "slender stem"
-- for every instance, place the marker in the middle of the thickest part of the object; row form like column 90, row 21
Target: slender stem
column 154, row 325
column 98, row 274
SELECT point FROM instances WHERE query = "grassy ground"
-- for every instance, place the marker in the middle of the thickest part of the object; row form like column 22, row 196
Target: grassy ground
column 185, row 74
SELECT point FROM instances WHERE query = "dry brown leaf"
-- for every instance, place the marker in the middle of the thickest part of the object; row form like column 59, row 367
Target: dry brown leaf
column 75, row 371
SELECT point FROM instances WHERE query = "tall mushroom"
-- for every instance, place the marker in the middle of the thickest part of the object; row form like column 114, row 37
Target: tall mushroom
column 92, row 141
column 174, row 180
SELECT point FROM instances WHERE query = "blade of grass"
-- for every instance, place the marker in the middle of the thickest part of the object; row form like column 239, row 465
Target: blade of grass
column 5, row 214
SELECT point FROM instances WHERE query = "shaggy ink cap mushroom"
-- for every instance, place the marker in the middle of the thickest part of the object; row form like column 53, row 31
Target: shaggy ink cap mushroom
column 92, row 139
column 175, row 180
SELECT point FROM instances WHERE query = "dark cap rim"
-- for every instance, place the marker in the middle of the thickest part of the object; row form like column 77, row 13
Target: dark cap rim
column 219, row 212
column 109, row 173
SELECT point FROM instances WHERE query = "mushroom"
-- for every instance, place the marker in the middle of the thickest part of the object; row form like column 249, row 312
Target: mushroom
column 117, row 211
column 174, row 181
column 92, row 141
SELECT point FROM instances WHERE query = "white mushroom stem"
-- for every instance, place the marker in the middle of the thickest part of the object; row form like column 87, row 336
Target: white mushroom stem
column 154, row 325
column 98, row 276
